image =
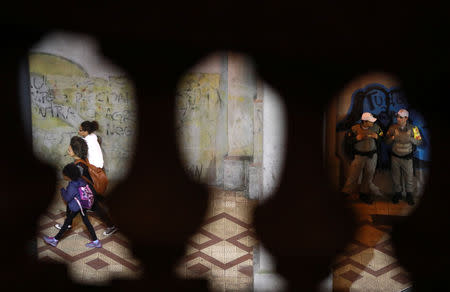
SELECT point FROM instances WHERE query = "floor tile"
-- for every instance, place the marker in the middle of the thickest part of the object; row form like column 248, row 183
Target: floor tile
column 369, row 264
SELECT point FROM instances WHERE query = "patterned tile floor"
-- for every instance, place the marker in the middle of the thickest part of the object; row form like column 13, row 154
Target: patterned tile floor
column 369, row 263
column 93, row 266
column 221, row 251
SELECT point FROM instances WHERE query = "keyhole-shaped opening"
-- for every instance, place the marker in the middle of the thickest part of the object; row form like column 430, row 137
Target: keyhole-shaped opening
column 71, row 85
column 231, row 130
column 378, row 155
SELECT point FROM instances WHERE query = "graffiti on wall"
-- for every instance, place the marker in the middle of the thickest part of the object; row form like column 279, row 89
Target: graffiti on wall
column 60, row 101
column 384, row 103
column 198, row 105
column 240, row 125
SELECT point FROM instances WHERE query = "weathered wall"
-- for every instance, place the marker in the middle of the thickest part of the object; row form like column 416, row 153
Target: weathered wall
column 241, row 95
column 65, row 93
column 215, row 121
column 201, row 119
column 230, row 125
column 275, row 135
column 272, row 111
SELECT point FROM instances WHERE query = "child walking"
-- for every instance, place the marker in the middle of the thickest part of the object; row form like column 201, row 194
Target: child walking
column 70, row 194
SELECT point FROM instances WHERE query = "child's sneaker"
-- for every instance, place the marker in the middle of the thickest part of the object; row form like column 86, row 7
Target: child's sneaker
column 59, row 226
column 50, row 240
column 95, row 243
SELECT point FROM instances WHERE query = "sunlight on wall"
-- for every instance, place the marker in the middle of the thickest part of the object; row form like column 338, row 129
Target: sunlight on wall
column 70, row 82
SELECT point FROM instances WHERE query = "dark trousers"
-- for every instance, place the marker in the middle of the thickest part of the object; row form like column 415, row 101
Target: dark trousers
column 99, row 209
column 69, row 218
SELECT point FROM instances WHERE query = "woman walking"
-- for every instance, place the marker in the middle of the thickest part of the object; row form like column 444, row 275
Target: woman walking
column 78, row 150
column 95, row 157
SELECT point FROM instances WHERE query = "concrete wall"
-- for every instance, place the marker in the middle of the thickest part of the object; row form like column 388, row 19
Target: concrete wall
column 241, row 94
column 275, row 135
column 231, row 126
column 274, row 141
column 71, row 82
column 201, row 119
column 232, row 133
column 219, row 123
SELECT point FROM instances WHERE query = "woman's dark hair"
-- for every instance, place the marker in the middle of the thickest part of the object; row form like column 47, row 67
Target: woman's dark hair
column 79, row 147
column 89, row 126
column 72, row 171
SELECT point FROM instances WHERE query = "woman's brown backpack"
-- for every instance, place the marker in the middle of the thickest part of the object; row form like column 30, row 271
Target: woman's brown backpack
column 98, row 175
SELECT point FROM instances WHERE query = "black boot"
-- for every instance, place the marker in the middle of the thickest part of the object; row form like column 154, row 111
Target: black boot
column 366, row 198
column 409, row 199
column 397, row 196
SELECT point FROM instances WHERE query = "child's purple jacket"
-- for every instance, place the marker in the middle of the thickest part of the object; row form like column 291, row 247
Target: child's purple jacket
column 68, row 194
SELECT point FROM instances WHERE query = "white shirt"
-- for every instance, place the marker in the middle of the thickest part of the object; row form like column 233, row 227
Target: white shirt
column 95, row 155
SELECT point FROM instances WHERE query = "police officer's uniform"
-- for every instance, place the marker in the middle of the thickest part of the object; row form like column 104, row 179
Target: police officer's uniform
column 365, row 160
column 402, row 158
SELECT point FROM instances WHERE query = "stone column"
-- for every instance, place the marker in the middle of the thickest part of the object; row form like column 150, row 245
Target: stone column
column 265, row 277
column 274, row 141
column 255, row 184
column 222, row 124
column 241, row 96
column 241, row 93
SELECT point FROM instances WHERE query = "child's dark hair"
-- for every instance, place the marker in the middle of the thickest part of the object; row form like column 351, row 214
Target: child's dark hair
column 72, row 171
column 89, row 126
column 79, row 147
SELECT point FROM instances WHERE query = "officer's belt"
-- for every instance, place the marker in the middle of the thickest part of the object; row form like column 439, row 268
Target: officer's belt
column 407, row 156
column 369, row 153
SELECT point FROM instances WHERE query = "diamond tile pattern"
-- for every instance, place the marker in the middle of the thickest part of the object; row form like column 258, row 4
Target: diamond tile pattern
column 401, row 278
column 113, row 260
column 198, row 268
column 97, row 264
column 369, row 262
column 221, row 251
column 351, row 276
column 247, row 270
column 224, row 244
column 200, row 239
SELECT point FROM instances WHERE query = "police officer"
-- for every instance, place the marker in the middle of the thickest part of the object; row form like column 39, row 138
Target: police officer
column 403, row 137
column 363, row 139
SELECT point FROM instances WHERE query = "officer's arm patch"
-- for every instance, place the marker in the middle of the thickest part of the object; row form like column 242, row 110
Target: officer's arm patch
column 417, row 133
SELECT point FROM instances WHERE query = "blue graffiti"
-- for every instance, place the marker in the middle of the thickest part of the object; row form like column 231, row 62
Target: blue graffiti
column 384, row 103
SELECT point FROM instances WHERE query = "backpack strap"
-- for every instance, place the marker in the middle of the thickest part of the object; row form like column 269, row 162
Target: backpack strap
column 85, row 162
column 87, row 180
column 79, row 204
column 84, row 177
